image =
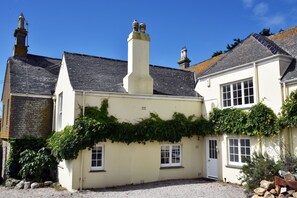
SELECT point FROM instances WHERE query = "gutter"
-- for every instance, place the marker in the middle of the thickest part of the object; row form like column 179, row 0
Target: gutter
column 151, row 97
column 246, row 64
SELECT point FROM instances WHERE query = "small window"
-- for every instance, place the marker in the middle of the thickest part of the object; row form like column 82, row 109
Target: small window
column 238, row 93
column 170, row 155
column 239, row 151
column 60, row 110
column 97, row 157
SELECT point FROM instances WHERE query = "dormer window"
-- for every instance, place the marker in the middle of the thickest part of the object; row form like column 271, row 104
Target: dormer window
column 238, row 93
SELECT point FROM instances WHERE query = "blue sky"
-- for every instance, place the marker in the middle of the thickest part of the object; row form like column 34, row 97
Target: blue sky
column 101, row 28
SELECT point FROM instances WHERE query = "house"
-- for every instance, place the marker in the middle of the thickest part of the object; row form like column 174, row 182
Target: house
column 132, row 95
column 260, row 69
column 27, row 104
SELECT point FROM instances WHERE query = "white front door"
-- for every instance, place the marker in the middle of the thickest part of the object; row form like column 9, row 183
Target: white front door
column 212, row 158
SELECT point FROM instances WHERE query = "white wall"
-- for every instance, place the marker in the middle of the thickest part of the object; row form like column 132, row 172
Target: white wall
column 132, row 108
column 137, row 163
column 64, row 85
column 267, row 88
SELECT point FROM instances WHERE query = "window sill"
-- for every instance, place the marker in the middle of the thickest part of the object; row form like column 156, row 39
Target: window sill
column 171, row 167
column 97, row 171
column 234, row 166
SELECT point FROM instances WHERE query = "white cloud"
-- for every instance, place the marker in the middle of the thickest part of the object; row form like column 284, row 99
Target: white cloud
column 248, row 3
column 270, row 21
column 261, row 9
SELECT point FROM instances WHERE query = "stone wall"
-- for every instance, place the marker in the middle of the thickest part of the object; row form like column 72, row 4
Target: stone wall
column 30, row 116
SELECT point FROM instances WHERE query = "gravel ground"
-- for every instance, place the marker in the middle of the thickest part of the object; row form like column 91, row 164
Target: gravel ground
column 173, row 188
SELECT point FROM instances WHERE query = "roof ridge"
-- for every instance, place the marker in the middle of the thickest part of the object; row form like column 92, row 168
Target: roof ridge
column 44, row 56
column 151, row 65
column 93, row 56
column 269, row 44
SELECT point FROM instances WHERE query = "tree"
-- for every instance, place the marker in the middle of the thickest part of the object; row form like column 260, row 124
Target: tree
column 266, row 32
column 216, row 53
column 232, row 46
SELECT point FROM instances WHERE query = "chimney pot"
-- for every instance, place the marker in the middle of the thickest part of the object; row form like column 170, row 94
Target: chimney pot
column 142, row 27
column 135, row 25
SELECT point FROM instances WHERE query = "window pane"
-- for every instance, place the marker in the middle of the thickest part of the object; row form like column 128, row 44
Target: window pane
column 97, row 157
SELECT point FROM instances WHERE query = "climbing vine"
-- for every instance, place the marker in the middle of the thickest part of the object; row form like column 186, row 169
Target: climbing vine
column 288, row 117
column 98, row 126
column 260, row 120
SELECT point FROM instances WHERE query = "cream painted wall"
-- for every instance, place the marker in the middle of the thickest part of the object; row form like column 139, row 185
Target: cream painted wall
column 64, row 85
column 270, row 91
column 137, row 163
column 131, row 108
column 265, row 77
column 212, row 93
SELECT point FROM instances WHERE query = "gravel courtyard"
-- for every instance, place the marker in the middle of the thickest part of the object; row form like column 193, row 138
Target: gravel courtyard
column 174, row 188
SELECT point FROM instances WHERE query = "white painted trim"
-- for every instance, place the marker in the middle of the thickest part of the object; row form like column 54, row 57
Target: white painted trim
column 291, row 81
column 151, row 97
column 280, row 56
column 31, row 95
column 94, row 168
column 171, row 164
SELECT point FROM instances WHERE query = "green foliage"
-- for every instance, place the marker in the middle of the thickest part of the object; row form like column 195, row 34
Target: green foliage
column 258, row 168
column 97, row 126
column 16, row 147
column 262, row 120
column 288, row 116
column 259, row 120
column 266, row 32
column 230, row 121
column 217, row 53
column 233, row 45
column 36, row 165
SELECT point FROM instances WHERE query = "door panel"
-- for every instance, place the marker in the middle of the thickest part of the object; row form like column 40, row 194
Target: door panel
column 212, row 157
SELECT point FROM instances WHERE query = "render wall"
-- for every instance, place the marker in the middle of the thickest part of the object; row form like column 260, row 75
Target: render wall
column 133, row 108
column 267, row 89
column 134, row 164
column 64, row 86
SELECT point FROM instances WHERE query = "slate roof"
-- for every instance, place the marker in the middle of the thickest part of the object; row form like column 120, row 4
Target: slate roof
column 33, row 74
column 91, row 73
column 287, row 40
column 253, row 48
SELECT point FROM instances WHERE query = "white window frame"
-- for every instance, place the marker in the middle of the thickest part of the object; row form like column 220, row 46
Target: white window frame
column 60, row 110
column 243, row 96
column 170, row 162
column 97, row 168
column 239, row 147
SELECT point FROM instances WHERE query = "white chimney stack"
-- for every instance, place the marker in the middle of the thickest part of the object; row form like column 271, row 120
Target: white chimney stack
column 138, row 79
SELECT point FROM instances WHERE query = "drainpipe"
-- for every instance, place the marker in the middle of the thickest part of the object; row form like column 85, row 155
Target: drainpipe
column 288, row 130
column 54, row 113
column 256, row 83
column 257, row 98
column 81, row 153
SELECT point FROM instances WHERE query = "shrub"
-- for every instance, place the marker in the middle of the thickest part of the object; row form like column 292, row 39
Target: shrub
column 258, row 168
column 16, row 147
column 37, row 165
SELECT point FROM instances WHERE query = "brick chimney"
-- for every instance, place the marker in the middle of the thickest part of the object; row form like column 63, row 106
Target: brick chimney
column 20, row 48
column 138, row 79
column 184, row 61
